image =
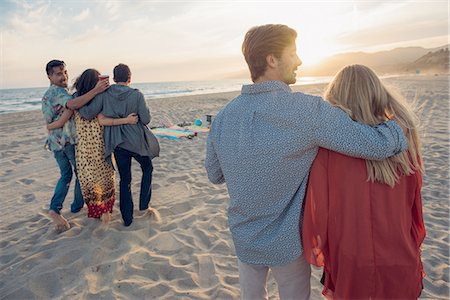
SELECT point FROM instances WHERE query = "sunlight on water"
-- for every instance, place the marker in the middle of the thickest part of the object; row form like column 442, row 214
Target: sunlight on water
column 14, row 100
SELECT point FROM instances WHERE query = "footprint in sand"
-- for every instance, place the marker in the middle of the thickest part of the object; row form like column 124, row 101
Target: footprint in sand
column 231, row 280
column 178, row 179
column 3, row 244
column 28, row 198
column 27, row 181
column 36, row 218
column 17, row 161
column 46, row 155
column 15, row 225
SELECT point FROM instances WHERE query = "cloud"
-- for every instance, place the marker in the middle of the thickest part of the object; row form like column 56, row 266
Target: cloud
column 90, row 35
column 385, row 25
column 30, row 19
column 82, row 16
column 174, row 40
column 112, row 8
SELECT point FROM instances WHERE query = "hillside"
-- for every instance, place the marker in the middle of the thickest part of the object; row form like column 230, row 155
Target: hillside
column 406, row 60
column 432, row 62
column 399, row 60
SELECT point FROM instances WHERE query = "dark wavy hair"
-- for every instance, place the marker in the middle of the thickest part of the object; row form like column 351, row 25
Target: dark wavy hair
column 86, row 81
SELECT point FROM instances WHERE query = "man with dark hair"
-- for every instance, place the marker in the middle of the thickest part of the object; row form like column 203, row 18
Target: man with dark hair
column 127, row 141
column 61, row 141
column 121, row 73
column 262, row 145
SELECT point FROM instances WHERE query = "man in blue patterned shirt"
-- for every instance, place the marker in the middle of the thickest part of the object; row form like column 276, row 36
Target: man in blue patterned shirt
column 61, row 141
column 262, row 145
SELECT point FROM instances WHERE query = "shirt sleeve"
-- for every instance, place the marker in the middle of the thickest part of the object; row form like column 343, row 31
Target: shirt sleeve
column 143, row 111
column 335, row 130
column 47, row 111
column 54, row 103
column 212, row 164
column 92, row 109
column 61, row 98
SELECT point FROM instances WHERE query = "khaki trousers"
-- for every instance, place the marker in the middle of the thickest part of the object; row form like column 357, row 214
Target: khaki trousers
column 293, row 280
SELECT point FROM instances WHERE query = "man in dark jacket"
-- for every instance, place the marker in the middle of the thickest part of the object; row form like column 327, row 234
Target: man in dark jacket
column 126, row 141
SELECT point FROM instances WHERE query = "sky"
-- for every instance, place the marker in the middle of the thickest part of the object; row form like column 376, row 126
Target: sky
column 197, row 40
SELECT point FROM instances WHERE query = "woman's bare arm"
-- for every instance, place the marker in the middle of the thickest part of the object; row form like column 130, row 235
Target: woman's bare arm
column 107, row 121
column 61, row 121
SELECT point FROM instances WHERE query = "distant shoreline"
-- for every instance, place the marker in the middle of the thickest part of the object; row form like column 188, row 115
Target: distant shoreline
column 297, row 87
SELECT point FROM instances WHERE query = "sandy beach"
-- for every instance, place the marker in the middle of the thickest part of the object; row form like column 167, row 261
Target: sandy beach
column 189, row 254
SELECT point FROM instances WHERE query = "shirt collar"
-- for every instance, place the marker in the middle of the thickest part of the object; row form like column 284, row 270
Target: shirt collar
column 58, row 87
column 265, row 86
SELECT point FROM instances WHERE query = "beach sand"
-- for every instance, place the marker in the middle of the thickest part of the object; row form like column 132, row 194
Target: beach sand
column 189, row 254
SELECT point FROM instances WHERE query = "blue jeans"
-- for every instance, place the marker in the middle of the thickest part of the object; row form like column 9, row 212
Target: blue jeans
column 123, row 161
column 66, row 161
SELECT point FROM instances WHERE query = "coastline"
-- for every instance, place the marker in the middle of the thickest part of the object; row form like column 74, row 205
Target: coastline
column 190, row 252
column 157, row 94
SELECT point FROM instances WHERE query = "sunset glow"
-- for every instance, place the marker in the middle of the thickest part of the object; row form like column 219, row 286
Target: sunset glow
column 196, row 40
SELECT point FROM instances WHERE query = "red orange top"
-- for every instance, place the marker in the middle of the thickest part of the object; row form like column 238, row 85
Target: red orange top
column 366, row 235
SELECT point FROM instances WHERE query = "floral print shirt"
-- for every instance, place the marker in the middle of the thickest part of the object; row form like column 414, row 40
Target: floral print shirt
column 53, row 105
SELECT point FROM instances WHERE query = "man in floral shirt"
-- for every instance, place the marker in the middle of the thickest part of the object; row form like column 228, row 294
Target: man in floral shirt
column 61, row 141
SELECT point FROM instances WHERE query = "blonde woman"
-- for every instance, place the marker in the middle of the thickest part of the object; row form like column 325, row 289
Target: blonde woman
column 363, row 219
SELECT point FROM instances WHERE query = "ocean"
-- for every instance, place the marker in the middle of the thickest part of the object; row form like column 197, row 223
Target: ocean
column 26, row 99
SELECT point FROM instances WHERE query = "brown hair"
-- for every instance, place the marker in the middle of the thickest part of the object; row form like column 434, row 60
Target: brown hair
column 264, row 40
column 358, row 91
column 121, row 73
column 86, row 81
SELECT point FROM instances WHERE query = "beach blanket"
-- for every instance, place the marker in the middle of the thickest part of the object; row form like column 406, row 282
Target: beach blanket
column 198, row 129
column 173, row 133
column 194, row 128
column 177, row 132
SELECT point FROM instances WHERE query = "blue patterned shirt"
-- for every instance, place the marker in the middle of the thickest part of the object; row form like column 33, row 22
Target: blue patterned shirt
column 53, row 105
column 262, row 144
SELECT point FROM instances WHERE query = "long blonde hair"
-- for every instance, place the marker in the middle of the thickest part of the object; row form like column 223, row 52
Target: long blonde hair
column 358, row 91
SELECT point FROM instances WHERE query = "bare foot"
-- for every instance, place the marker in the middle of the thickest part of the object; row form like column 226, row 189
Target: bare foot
column 60, row 222
column 106, row 217
column 152, row 212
